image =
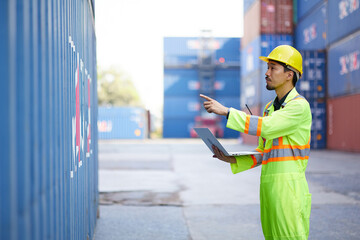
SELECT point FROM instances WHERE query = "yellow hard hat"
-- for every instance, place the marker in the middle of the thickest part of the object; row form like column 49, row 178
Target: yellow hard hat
column 288, row 55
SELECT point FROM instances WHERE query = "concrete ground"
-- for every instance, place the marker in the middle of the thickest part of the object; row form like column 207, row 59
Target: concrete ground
column 174, row 189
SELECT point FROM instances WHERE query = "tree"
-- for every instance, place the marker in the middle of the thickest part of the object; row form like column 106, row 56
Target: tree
column 116, row 88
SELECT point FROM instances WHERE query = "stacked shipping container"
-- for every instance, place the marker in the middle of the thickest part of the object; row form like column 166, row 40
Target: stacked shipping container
column 182, row 84
column 122, row 123
column 344, row 75
column 48, row 102
column 267, row 24
column 328, row 31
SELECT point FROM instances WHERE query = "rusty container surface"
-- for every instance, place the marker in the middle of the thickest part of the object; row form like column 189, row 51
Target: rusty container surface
column 343, row 123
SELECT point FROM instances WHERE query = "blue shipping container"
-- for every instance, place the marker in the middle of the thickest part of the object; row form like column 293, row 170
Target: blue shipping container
column 48, row 102
column 177, row 127
column 228, row 50
column 306, row 7
column 184, row 51
column 180, row 50
column 181, row 82
column 227, row 83
column 181, row 107
column 312, row 83
column 344, row 66
column 344, row 19
column 318, row 127
column 250, row 89
column 261, row 46
column 122, row 123
column 311, row 31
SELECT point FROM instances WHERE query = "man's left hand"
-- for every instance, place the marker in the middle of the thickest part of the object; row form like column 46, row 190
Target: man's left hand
column 220, row 155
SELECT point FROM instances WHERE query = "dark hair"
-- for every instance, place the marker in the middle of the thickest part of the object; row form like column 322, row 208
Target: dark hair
column 294, row 80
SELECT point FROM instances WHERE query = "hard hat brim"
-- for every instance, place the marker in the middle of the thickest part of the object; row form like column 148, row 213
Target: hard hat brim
column 267, row 59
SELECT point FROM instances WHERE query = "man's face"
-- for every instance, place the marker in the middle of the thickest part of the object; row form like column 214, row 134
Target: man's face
column 275, row 76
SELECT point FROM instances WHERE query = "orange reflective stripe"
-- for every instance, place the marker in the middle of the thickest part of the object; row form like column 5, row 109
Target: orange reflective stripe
column 281, row 141
column 254, row 161
column 247, row 123
column 283, row 159
column 258, row 132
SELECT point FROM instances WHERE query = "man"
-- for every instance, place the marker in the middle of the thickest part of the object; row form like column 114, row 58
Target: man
column 284, row 141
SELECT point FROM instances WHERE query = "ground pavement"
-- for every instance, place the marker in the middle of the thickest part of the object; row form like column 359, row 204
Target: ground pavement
column 174, row 189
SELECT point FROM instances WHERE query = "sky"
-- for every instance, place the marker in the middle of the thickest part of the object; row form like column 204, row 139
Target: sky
column 129, row 35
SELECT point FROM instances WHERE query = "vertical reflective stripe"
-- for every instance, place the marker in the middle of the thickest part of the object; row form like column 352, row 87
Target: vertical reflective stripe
column 258, row 132
column 281, row 141
column 254, row 161
column 275, row 142
column 266, row 112
column 257, row 160
column 253, row 125
column 247, row 123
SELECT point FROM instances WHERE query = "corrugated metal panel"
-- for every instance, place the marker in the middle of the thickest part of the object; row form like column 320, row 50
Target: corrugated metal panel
column 122, row 123
column 250, row 89
column 181, row 107
column 344, row 19
column 48, row 170
column 267, row 17
column 180, row 50
column 318, row 127
column 227, row 83
column 228, row 51
column 311, row 31
column 295, row 11
column 312, row 83
column 177, row 127
column 305, row 7
column 251, row 24
column 284, row 16
column 181, row 82
column 261, row 46
column 343, row 123
column 344, row 67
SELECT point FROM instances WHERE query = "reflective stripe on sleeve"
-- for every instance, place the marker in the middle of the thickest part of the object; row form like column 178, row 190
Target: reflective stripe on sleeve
column 257, row 159
column 247, row 124
column 254, row 125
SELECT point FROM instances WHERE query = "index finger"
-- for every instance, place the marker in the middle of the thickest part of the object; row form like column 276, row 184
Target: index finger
column 206, row 97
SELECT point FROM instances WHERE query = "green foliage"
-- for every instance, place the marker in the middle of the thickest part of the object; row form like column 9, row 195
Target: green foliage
column 116, row 88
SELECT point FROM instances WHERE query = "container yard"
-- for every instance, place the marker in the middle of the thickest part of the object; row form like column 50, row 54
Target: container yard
column 82, row 160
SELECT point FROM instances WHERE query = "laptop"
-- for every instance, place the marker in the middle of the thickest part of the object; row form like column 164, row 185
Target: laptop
column 209, row 139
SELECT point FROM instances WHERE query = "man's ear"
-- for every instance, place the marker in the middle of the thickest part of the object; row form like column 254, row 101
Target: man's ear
column 290, row 74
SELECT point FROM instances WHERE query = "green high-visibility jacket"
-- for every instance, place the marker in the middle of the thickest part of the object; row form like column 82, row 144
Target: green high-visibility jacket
column 284, row 141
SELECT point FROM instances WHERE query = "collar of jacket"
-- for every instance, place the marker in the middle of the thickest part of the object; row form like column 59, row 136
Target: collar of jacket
column 293, row 93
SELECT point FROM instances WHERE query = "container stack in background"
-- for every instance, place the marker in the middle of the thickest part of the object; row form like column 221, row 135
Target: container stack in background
column 310, row 40
column 123, row 123
column 343, row 60
column 190, row 68
column 267, row 24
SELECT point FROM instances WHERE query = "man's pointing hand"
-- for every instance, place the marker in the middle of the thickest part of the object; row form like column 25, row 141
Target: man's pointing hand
column 213, row 106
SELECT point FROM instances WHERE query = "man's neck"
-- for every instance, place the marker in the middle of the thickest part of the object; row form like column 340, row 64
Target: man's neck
column 283, row 91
